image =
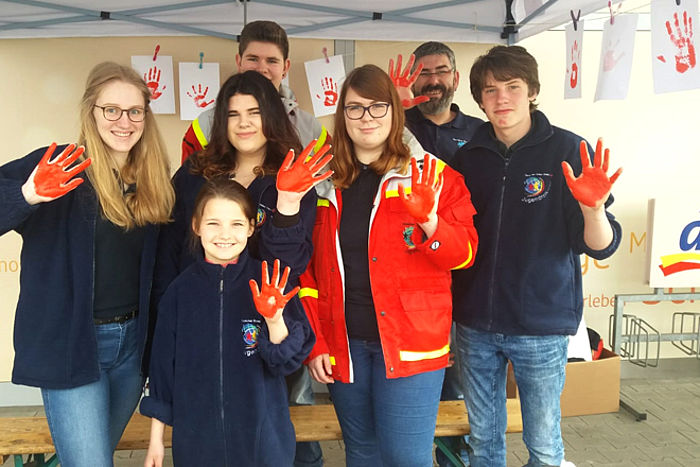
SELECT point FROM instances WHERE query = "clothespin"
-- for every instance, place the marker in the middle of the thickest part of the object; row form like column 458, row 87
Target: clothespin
column 155, row 54
column 612, row 15
column 678, row 2
column 575, row 18
column 201, row 57
column 325, row 54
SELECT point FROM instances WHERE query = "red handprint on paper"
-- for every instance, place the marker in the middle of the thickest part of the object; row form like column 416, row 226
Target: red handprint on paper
column 575, row 59
column 200, row 96
column 683, row 40
column 330, row 92
column 152, row 79
column 609, row 59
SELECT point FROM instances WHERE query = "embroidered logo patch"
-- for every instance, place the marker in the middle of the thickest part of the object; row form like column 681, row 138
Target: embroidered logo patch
column 460, row 142
column 407, row 233
column 536, row 187
column 250, row 331
column 261, row 217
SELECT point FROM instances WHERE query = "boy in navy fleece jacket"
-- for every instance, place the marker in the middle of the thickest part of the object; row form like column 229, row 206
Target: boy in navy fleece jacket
column 523, row 296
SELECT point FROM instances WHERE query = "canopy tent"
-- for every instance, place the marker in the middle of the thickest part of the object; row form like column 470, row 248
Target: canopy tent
column 485, row 21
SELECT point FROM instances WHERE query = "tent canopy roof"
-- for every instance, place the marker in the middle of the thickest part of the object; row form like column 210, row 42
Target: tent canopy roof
column 486, row 21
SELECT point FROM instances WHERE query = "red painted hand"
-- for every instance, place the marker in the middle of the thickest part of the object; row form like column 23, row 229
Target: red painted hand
column 593, row 186
column 152, row 79
column 404, row 81
column 300, row 175
column 422, row 200
column 52, row 179
column 270, row 298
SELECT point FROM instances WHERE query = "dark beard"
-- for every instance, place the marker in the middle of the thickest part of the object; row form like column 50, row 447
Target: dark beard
column 436, row 106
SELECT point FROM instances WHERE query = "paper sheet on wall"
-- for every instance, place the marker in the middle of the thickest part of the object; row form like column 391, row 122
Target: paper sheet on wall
column 158, row 75
column 673, row 46
column 198, row 88
column 325, row 79
column 617, row 50
column 574, row 48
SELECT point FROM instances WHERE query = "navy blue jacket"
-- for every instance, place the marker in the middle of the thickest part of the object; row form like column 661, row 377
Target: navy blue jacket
column 526, row 278
column 442, row 140
column 215, row 376
column 291, row 245
column 54, row 339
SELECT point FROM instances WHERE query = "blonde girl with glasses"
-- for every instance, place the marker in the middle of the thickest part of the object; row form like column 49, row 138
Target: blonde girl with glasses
column 89, row 221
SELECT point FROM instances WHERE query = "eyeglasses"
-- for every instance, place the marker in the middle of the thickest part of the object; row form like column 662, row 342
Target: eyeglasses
column 356, row 112
column 438, row 73
column 113, row 113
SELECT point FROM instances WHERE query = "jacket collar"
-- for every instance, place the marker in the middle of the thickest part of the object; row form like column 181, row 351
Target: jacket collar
column 230, row 272
column 540, row 131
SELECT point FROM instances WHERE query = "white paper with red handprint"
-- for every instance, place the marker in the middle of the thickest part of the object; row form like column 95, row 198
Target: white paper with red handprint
column 198, row 88
column 325, row 80
column 674, row 46
column 616, row 53
column 158, row 75
column 574, row 49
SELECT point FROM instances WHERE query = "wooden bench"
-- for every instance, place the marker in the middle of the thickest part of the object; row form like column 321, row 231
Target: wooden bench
column 30, row 435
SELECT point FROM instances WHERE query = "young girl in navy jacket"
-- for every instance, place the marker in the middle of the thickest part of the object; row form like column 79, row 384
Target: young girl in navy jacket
column 222, row 346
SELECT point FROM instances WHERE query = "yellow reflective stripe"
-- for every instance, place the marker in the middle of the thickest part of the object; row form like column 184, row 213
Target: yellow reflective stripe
column 198, row 133
column 323, row 202
column 395, row 193
column 332, row 359
column 410, row 356
column 321, row 139
column 308, row 292
column 469, row 258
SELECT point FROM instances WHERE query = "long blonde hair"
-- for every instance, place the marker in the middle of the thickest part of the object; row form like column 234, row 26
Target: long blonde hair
column 146, row 166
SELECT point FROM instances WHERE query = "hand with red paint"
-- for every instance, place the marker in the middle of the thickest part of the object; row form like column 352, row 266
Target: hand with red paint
column 297, row 176
column 423, row 199
column 152, row 79
column 404, row 81
column 52, row 179
column 270, row 298
column 330, row 92
column 593, row 186
column 682, row 39
column 199, row 96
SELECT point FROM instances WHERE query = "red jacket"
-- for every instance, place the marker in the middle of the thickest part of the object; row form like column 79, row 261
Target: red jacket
column 409, row 275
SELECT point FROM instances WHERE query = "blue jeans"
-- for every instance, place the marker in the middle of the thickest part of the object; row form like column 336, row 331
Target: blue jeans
column 86, row 422
column 539, row 364
column 386, row 422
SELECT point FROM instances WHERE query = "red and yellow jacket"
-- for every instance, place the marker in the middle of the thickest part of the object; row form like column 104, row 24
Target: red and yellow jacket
column 409, row 276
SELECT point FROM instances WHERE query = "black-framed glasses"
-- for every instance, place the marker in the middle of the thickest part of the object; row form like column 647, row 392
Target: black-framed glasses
column 439, row 73
column 114, row 113
column 356, row 111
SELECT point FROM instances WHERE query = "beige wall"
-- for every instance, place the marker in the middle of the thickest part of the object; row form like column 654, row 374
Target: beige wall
column 650, row 135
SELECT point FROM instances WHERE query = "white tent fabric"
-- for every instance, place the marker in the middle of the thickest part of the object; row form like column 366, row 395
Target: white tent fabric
column 486, row 21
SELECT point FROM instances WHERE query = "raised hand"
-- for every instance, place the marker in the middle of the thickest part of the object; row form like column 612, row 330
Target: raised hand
column 422, row 201
column 593, row 186
column 51, row 179
column 270, row 298
column 404, row 81
column 300, row 175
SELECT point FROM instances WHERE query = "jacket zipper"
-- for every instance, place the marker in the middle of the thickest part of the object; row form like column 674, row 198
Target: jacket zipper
column 221, row 362
column 498, row 236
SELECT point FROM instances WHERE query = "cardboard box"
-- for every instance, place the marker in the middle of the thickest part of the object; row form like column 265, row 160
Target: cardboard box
column 590, row 387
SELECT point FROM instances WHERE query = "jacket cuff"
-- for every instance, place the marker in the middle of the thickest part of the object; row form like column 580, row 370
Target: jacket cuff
column 283, row 221
column 12, row 197
column 154, row 408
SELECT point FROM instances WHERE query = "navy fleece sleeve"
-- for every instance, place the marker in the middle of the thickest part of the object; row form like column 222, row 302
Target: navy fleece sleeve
column 13, row 175
column 159, row 402
column 287, row 356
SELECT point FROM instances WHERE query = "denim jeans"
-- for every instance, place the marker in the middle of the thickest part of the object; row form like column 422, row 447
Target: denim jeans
column 386, row 422
column 539, row 364
column 86, row 422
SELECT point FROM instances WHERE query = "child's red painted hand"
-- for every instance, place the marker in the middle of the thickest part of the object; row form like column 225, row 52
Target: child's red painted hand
column 422, row 201
column 270, row 298
column 300, row 175
column 593, row 186
column 404, row 81
column 51, row 179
